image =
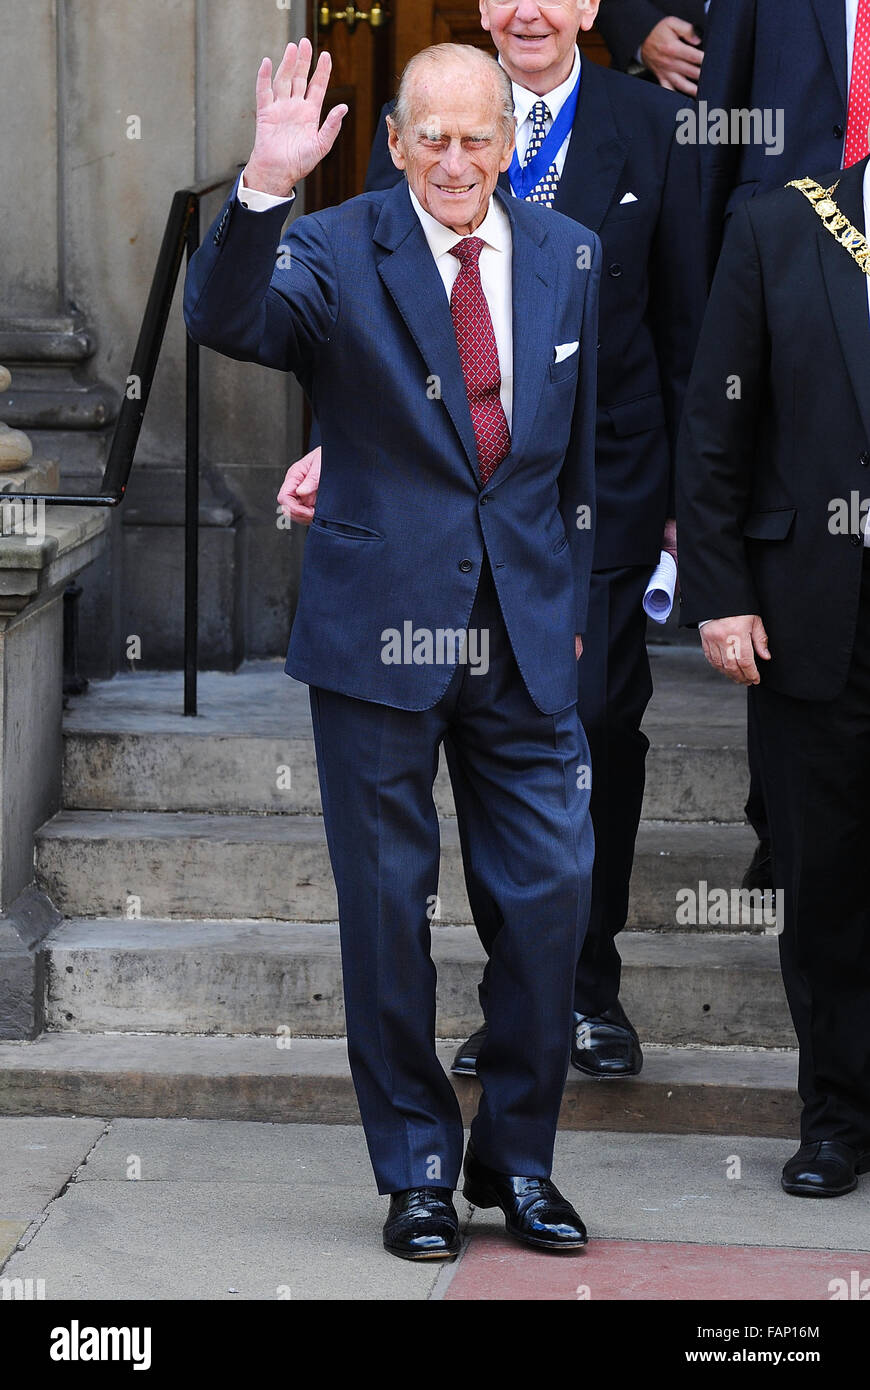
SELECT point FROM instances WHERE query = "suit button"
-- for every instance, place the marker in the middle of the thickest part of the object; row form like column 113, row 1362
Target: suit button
column 465, row 566
column 865, row 459
column 854, row 540
column 838, row 132
column 484, row 499
column 615, row 270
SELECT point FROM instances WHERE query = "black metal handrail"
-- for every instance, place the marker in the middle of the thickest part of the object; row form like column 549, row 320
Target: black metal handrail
column 180, row 234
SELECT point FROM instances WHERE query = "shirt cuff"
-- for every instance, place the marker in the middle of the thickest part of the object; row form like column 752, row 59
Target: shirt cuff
column 706, row 621
column 255, row 201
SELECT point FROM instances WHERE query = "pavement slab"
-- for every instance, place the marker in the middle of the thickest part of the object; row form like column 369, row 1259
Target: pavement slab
column 220, row 1210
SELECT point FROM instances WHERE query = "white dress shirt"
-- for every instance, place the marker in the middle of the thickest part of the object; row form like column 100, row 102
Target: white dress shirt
column 524, row 100
column 851, row 19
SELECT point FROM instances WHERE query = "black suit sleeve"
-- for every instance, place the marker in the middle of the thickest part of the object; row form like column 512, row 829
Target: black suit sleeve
column 719, row 436
column 726, row 83
column 624, row 25
column 678, row 287
column 382, row 172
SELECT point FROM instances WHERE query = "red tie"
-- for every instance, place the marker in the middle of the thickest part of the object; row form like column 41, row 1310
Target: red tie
column 479, row 357
column 859, row 89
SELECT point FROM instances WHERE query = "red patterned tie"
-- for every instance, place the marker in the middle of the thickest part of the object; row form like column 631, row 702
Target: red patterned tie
column 479, row 357
column 859, row 89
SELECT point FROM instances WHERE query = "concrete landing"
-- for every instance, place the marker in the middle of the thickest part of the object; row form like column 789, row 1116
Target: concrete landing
column 192, row 1210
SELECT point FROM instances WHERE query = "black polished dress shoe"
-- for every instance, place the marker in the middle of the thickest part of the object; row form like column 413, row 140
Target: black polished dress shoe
column 422, row 1224
column 465, row 1061
column 760, row 871
column 825, row 1168
column 605, row 1045
column 534, row 1209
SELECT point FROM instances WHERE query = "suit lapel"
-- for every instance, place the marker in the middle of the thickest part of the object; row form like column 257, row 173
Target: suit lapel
column 534, row 311
column 595, row 156
column 410, row 275
column 846, row 285
column 409, row 272
column 831, row 20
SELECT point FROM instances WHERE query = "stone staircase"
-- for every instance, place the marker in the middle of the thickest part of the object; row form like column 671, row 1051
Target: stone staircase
column 197, row 970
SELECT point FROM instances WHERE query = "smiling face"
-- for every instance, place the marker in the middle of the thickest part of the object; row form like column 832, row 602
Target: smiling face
column 454, row 143
column 536, row 44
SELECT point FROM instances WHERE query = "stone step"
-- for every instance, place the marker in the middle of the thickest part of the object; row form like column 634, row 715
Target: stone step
column 185, row 865
column 284, row 979
column 728, row 1091
column 250, row 749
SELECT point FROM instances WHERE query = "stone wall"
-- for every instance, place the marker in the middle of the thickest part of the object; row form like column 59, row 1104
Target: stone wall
column 106, row 107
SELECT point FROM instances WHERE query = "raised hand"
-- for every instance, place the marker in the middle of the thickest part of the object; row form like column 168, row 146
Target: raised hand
column 290, row 141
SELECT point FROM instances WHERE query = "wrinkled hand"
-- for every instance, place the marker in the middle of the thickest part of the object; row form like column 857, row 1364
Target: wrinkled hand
column 298, row 493
column 672, row 50
column 669, row 539
column 289, row 140
column 731, row 645
column 669, row 545
column 578, row 646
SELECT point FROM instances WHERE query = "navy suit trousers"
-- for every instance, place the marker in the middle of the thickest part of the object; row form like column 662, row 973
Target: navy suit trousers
column 528, row 831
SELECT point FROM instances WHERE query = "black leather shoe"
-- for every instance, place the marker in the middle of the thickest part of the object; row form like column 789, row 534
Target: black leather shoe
column 422, row 1224
column 465, row 1061
column 760, row 871
column 605, row 1045
column 534, row 1209
column 826, row 1168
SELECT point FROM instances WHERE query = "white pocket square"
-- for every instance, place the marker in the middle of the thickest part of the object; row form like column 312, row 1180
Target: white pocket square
column 564, row 350
column 628, row 198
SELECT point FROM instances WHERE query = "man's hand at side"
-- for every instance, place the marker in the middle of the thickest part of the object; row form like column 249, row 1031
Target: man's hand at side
column 289, row 140
column 731, row 645
column 298, row 493
column 672, row 50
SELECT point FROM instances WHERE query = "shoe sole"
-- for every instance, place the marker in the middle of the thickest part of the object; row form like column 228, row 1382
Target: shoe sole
column 464, row 1071
column 485, row 1202
column 796, row 1189
column 607, row 1075
column 425, row 1255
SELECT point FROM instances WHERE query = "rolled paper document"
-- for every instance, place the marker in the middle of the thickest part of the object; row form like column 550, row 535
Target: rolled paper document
column 659, row 597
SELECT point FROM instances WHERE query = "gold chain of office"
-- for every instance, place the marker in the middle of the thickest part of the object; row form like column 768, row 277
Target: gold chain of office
column 840, row 227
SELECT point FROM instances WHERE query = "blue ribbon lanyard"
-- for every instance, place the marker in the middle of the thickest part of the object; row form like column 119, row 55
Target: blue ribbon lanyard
column 526, row 177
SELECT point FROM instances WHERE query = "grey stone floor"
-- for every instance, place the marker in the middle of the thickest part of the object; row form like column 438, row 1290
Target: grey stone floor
column 224, row 1209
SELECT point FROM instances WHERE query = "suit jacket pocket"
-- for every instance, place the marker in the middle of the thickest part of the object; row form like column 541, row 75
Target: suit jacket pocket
column 769, row 526
column 567, row 368
column 633, row 417
column 348, row 529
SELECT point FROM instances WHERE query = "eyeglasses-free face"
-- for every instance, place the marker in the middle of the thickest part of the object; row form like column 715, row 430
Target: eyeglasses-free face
column 535, row 38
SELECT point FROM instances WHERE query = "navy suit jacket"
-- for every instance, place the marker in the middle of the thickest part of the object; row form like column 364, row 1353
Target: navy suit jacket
column 652, row 293
column 356, row 309
column 785, row 56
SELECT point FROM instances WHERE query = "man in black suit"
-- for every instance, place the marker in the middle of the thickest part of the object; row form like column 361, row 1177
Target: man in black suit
column 775, row 553
column 618, row 169
column 798, row 65
column 662, row 36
